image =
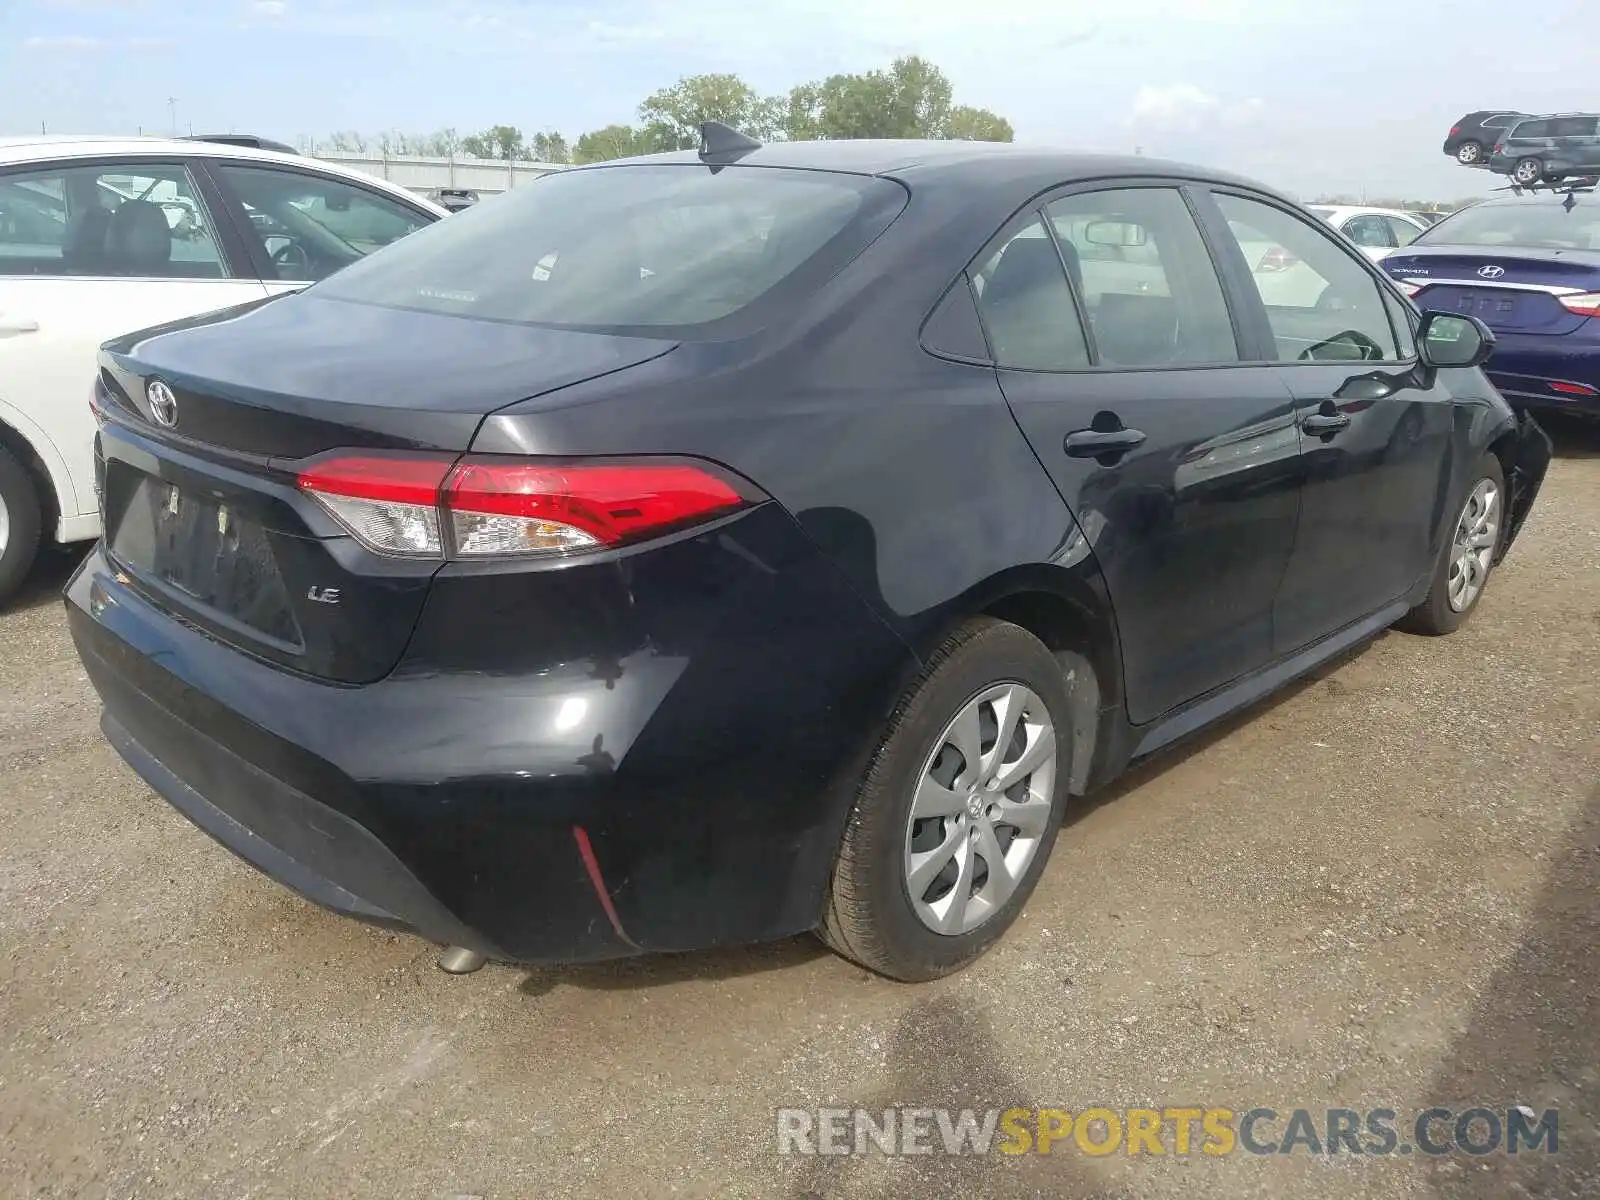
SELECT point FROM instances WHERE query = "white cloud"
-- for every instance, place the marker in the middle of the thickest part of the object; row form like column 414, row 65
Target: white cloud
column 270, row 8
column 1176, row 104
column 64, row 42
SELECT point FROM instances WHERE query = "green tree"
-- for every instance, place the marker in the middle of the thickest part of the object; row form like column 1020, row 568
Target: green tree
column 550, row 147
column 614, row 141
column 672, row 116
column 498, row 141
column 976, row 125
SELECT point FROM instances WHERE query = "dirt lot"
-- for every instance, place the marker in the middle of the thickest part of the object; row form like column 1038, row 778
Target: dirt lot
column 1380, row 889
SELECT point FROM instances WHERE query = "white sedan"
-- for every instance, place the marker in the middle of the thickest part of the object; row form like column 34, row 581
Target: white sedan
column 101, row 236
column 1376, row 231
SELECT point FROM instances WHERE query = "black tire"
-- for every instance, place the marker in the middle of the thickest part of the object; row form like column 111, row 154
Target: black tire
column 1535, row 175
column 1435, row 615
column 869, row 916
column 1469, row 153
column 22, row 522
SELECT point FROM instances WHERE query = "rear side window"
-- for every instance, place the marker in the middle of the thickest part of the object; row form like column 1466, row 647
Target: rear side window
column 1026, row 306
column 1151, row 293
column 649, row 248
column 131, row 220
column 1532, row 129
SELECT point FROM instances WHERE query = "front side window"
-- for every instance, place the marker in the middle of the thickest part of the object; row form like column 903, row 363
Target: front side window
column 1026, row 306
column 1321, row 303
column 1572, row 127
column 1403, row 233
column 651, row 247
column 1151, row 294
column 310, row 226
column 133, row 220
column 1368, row 231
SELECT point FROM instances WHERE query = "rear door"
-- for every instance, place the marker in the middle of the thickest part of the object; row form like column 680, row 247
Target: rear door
column 1376, row 443
column 1180, row 462
column 90, row 251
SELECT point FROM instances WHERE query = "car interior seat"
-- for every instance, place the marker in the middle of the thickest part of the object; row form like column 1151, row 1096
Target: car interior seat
column 138, row 240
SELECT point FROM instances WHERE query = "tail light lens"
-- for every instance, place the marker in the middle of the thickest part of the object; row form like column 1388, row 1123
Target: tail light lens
column 1573, row 389
column 490, row 506
column 1454, row 129
column 1409, row 286
column 1276, row 259
column 1585, row 305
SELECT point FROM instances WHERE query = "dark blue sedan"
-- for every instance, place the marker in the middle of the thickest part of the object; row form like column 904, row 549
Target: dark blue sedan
column 1529, row 268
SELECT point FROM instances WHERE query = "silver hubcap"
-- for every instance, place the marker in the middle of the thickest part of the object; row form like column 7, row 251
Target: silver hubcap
column 1527, row 172
column 1473, row 548
column 1468, row 153
column 982, row 806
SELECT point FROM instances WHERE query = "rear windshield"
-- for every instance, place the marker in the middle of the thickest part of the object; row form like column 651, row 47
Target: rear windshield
column 629, row 247
column 1545, row 225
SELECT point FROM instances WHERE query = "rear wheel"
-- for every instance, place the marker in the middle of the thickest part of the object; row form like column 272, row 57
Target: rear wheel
column 1469, row 153
column 1468, row 555
column 19, row 524
column 1527, row 171
column 956, row 816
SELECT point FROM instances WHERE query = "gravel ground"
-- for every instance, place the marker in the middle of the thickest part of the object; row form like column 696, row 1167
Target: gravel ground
column 1378, row 889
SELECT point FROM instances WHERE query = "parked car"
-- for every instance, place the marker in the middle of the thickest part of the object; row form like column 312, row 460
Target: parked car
column 1549, row 149
column 1529, row 268
column 719, row 546
column 454, row 199
column 99, row 236
column 1376, row 230
column 1471, row 138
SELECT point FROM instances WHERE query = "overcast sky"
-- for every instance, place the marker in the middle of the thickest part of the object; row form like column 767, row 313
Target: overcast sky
column 1339, row 95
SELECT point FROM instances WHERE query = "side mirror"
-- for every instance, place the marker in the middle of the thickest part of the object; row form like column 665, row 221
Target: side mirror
column 1453, row 340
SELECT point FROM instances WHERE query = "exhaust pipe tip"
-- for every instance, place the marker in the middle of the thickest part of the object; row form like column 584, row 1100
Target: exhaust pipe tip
column 458, row 960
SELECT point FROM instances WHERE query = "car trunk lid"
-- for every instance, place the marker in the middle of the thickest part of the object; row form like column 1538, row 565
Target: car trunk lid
column 1511, row 291
column 205, row 513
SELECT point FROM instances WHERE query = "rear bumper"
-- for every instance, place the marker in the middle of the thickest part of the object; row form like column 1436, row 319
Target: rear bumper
column 684, row 786
column 1525, row 367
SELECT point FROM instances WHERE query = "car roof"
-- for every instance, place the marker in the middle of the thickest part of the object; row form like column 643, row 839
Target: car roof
column 998, row 164
column 16, row 151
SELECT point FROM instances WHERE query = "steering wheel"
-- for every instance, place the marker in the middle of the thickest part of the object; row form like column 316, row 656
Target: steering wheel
column 1367, row 349
column 292, row 255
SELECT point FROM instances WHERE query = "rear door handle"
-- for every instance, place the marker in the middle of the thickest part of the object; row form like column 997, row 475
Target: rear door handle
column 1092, row 443
column 1323, row 424
column 12, row 326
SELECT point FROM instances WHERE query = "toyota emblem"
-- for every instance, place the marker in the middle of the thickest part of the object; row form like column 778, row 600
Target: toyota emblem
column 1491, row 272
column 163, row 404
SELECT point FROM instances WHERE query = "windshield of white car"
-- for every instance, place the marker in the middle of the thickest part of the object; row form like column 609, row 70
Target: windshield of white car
column 1544, row 225
column 646, row 247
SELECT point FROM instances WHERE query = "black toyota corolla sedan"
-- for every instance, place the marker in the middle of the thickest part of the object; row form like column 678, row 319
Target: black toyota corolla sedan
column 712, row 547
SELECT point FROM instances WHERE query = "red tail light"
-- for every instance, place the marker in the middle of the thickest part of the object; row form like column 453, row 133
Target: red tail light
column 483, row 506
column 1409, row 286
column 1454, row 129
column 1573, row 389
column 1585, row 305
column 1276, row 259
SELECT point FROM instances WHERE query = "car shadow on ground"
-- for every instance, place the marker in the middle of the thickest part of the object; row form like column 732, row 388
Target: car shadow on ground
column 1572, row 438
column 50, row 573
column 1534, row 1039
